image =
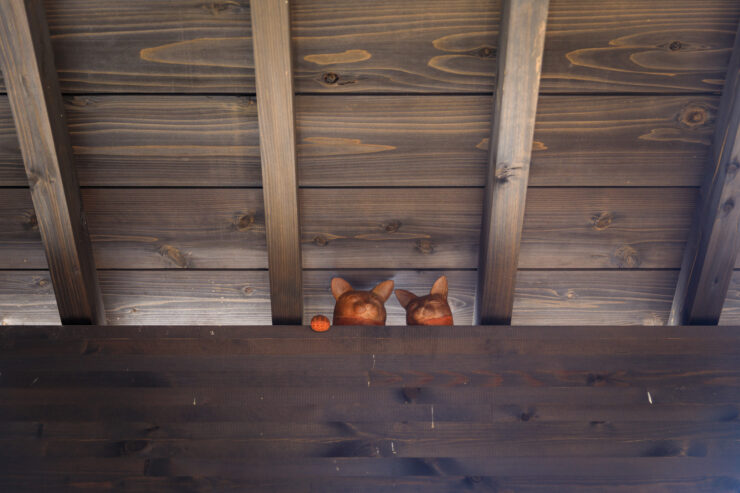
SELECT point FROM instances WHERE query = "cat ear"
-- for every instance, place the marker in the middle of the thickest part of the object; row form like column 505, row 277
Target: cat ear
column 440, row 286
column 405, row 297
column 384, row 290
column 339, row 286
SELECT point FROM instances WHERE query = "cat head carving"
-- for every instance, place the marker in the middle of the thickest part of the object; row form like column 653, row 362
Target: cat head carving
column 431, row 309
column 359, row 307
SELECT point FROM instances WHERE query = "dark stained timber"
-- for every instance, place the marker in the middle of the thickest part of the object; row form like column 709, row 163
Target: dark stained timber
column 521, row 43
column 341, row 140
column 402, row 228
column 616, row 46
column 713, row 243
column 376, row 409
column 229, row 297
column 27, row 61
column 274, row 77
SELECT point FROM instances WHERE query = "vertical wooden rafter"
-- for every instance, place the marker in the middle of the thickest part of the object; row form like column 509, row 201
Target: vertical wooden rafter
column 27, row 63
column 521, row 44
column 274, row 82
column 714, row 239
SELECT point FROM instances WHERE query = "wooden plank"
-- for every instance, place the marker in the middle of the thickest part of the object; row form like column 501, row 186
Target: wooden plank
column 386, row 140
column 145, row 46
column 219, row 296
column 79, row 482
column 165, row 141
column 27, row 61
column 714, row 240
column 371, row 228
column 205, row 297
column 274, row 81
column 625, row 46
column 246, row 407
column 27, row 297
column 20, row 240
column 521, row 43
column 593, row 297
column 186, row 228
column 731, row 309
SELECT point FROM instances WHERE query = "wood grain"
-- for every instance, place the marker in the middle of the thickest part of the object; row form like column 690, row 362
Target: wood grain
column 231, row 297
column 27, row 61
column 521, row 43
column 714, row 240
column 27, row 297
column 372, row 228
column 181, row 229
column 212, row 408
column 731, row 309
column 388, row 46
column 378, row 140
column 274, row 80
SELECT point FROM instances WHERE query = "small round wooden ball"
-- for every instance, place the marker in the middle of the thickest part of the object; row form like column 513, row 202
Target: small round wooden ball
column 320, row 323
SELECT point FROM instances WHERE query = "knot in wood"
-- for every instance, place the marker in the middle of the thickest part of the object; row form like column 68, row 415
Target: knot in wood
column 248, row 291
column 693, row 116
column 425, row 247
column 393, row 226
column 173, row 254
column 244, row 222
column 626, row 257
column 675, row 46
column 728, row 206
column 216, row 8
column 410, row 394
column 320, row 241
column 525, row 416
column 732, row 168
column 331, row 78
column 505, row 172
column 31, row 222
column 602, row 220
column 486, row 52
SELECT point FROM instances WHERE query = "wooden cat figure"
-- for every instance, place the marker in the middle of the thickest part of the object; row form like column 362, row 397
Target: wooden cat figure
column 359, row 307
column 431, row 309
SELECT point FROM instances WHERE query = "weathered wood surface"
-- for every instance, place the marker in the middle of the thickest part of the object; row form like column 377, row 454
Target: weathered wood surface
column 521, row 44
column 240, row 296
column 371, row 228
column 275, row 106
column 714, row 239
column 731, row 309
column 368, row 409
column 624, row 46
column 27, row 297
column 378, row 140
column 27, row 61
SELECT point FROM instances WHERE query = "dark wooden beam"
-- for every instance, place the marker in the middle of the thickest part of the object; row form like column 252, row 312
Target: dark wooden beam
column 27, row 63
column 714, row 239
column 521, row 45
column 274, row 79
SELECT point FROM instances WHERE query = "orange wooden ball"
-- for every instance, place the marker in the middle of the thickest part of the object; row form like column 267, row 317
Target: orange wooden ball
column 320, row 323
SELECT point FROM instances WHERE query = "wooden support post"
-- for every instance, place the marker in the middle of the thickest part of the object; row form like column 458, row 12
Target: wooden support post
column 521, row 44
column 27, row 63
column 714, row 238
column 274, row 81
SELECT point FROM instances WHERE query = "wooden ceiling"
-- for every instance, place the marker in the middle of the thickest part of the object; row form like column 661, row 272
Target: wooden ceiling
column 393, row 110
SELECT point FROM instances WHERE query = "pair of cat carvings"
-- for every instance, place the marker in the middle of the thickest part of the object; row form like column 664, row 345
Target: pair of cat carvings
column 355, row 307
